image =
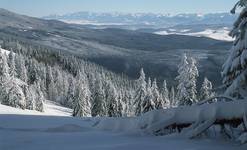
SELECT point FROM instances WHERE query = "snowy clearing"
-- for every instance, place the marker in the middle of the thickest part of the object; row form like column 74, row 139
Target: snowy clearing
column 221, row 34
column 29, row 130
column 51, row 109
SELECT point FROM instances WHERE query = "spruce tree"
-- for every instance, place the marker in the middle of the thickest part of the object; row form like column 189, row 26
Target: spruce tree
column 148, row 102
column 157, row 99
column 206, row 90
column 4, row 78
column 140, row 93
column 235, row 68
column 112, row 101
column 186, row 89
column 99, row 104
column 39, row 102
column 82, row 107
column 12, row 66
column 165, row 96
column 173, row 102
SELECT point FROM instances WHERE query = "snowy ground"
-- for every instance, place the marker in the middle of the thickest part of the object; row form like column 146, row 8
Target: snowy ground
column 51, row 109
column 219, row 34
column 30, row 130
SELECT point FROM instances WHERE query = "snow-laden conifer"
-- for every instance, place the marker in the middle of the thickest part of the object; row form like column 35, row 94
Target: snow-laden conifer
column 235, row 68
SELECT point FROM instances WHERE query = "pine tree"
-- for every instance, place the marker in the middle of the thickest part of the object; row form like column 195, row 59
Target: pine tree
column 70, row 102
column 32, row 71
column 11, row 91
column 120, row 106
column 21, row 68
column 148, row 102
column 235, row 68
column 39, row 104
column 15, row 97
column 157, row 99
column 206, row 90
column 140, row 93
column 4, row 78
column 112, row 101
column 30, row 97
column 193, row 74
column 172, row 98
column 58, row 83
column 99, row 105
column 12, row 66
column 51, row 87
column 82, row 107
column 165, row 96
column 186, row 89
column 130, row 101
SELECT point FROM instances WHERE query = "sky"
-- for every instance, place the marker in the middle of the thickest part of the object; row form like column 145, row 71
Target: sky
column 39, row 8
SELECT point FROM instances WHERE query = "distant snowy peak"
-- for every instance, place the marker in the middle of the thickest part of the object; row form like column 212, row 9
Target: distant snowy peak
column 157, row 20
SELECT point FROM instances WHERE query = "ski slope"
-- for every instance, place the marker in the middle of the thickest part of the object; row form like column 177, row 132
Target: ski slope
column 56, row 130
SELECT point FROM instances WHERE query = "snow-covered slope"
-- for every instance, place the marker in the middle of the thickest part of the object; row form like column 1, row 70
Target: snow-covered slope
column 51, row 109
column 219, row 34
column 29, row 130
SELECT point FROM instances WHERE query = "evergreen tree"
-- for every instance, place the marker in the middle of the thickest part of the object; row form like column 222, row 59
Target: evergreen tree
column 140, row 93
column 4, row 77
column 157, row 99
column 235, row 68
column 165, row 96
column 99, row 105
column 120, row 105
column 148, row 102
column 22, row 70
column 193, row 74
column 172, row 98
column 15, row 97
column 206, row 90
column 30, row 97
column 112, row 101
column 82, row 106
column 12, row 67
column 51, row 87
column 186, row 89
column 71, row 94
column 39, row 104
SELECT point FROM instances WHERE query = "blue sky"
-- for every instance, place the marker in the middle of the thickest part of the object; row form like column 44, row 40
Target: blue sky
column 45, row 7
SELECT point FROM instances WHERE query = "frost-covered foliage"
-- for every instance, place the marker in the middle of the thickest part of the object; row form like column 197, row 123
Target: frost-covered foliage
column 157, row 99
column 96, row 92
column 99, row 103
column 172, row 98
column 112, row 97
column 235, row 68
column 140, row 93
column 82, row 106
column 166, row 102
column 206, row 91
column 148, row 103
column 186, row 89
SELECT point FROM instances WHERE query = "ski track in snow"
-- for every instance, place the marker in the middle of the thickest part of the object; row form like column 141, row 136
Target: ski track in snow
column 56, row 130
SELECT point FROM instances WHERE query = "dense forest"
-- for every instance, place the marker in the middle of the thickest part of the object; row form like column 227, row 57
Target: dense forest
column 32, row 74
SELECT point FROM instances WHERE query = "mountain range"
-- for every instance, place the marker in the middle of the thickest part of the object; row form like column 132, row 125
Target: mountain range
column 143, row 20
